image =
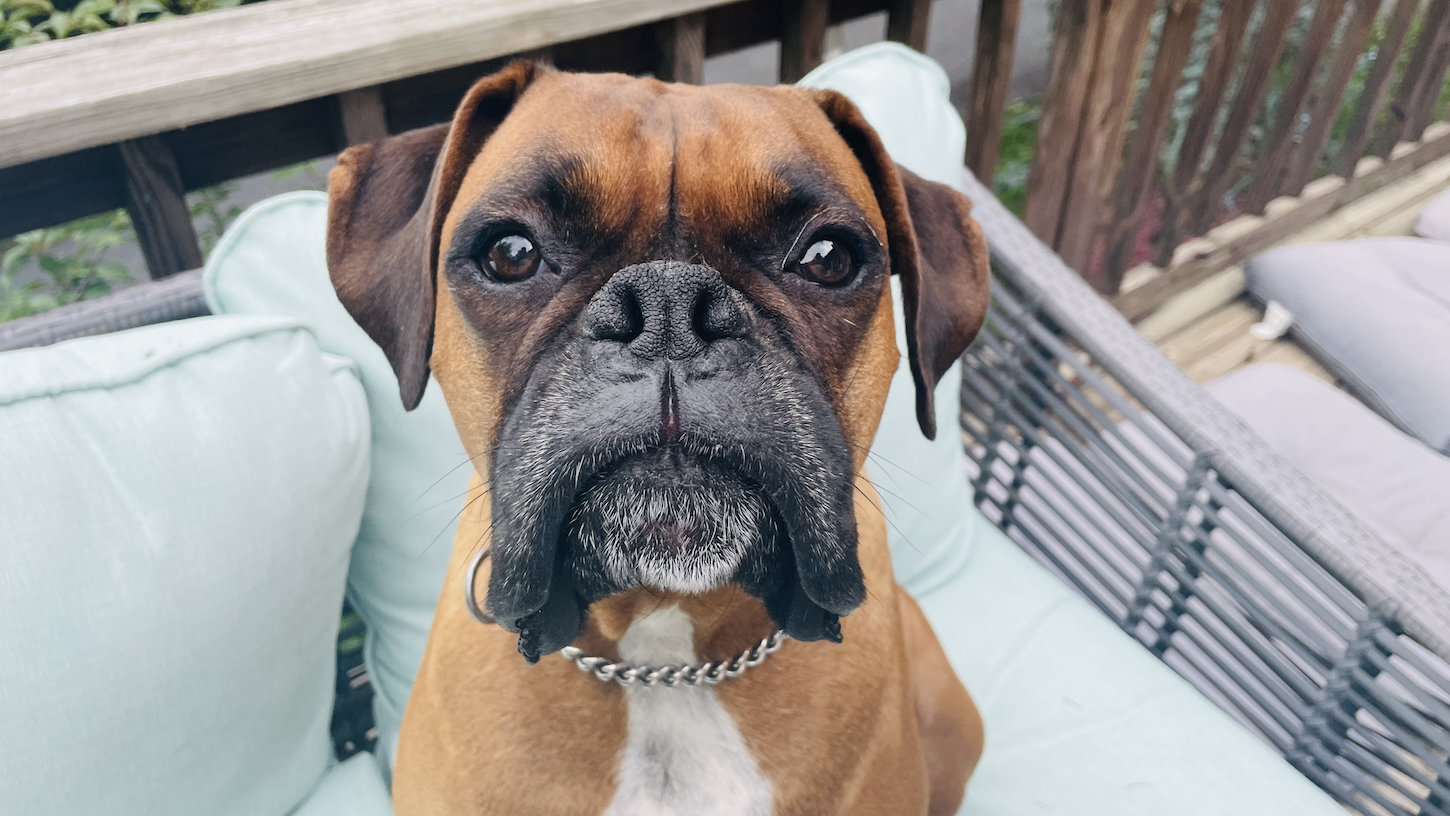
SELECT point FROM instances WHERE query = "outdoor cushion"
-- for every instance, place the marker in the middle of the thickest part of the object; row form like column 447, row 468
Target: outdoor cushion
column 1389, row 480
column 1376, row 313
column 353, row 787
column 1434, row 220
column 177, row 504
column 272, row 261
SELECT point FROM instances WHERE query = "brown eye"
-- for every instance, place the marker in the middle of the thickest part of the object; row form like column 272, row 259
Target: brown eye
column 512, row 258
column 828, row 263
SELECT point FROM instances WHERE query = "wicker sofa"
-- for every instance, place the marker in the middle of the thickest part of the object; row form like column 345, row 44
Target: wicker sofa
column 1101, row 460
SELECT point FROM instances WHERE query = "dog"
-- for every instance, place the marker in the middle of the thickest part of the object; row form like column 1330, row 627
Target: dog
column 661, row 320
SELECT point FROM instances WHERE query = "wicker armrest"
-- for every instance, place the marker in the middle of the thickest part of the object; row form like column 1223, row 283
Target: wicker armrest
column 1108, row 464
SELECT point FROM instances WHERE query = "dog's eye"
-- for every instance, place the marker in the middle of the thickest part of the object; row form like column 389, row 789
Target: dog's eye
column 827, row 262
column 512, row 258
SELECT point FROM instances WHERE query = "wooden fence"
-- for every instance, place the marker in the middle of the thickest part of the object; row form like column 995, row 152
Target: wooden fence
column 1276, row 78
column 173, row 106
column 178, row 105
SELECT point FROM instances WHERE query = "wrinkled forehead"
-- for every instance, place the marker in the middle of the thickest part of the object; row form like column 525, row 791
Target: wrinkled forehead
column 626, row 153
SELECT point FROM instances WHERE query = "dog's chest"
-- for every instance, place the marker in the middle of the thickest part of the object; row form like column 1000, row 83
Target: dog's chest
column 683, row 753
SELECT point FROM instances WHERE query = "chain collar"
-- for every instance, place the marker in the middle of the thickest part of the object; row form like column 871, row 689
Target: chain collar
column 628, row 674
column 709, row 673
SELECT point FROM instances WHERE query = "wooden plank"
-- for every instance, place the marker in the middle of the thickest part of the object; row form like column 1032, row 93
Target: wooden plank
column 908, row 21
column 1296, row 216
column 364, row 119
column 1372, row 98
column 682, row 49
column 1274, row 163
column 1223, row 54
column 156, row 201
column 991, row 83
column 1208, row 335
column 1124, row 37
column 1331, row 96
column 52, row 191
column 803, row 37
column 173, row 73
column 1436, row 14
column 1234, row 353
column 1188, row 308
column 1205, row 204
column 1074, row 43
column 1286, row 353
column 1134, row 184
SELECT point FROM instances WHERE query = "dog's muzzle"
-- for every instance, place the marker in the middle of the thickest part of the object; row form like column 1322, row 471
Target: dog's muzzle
column 670, row 437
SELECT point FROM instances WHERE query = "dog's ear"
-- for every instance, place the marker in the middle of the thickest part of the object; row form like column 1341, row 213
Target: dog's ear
column 936, row 248
column 386, row 204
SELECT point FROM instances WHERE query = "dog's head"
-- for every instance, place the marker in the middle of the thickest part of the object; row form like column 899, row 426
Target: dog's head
column 660, row 316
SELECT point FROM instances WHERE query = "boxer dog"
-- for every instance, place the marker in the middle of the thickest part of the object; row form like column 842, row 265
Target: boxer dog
column 660, row 317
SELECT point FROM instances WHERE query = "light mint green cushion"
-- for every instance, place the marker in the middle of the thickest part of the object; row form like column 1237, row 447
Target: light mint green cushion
column 353, row 787
column 177, row 504
column 1080, row 718
column 272, row 261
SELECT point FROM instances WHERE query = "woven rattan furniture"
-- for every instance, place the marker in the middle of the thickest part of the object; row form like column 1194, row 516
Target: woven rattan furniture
column 1106, row 463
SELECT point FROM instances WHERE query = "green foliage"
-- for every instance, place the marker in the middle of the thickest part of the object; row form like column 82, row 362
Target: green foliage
column 72, row 262
column 23, row 22
column 212, row 213
column 1014, row 161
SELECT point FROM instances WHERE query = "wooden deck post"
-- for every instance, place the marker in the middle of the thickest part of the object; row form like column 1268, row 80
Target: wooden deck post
column 1074, row 42
column 1269, row 175
column 156, row 200
column 364, row 119
column 1223, row 55
column 908, row 21
column 1416, row 73
column 991, row 83
column 1136, row 181
column 1432, row 81
column 682, row 49
column 1123, row 36
column 1372, row 98
column 803, row 41
column 1206, row 203
column 1331, row 96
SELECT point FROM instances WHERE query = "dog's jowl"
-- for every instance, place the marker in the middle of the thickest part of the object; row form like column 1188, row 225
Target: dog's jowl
column 661, row 320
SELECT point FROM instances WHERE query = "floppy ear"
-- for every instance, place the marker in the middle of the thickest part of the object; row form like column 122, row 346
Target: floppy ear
column 936, row 248
column 386, row 204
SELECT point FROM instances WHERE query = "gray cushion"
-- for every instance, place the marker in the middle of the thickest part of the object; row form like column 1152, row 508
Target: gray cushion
column 1376, row 313
column 1434, row 220
column 1390, row 481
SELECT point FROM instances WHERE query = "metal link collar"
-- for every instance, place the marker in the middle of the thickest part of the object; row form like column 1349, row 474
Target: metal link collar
column 628, row 674
column 708, row 674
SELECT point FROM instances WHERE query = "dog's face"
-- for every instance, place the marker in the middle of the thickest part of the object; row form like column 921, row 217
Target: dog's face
column 660, row 315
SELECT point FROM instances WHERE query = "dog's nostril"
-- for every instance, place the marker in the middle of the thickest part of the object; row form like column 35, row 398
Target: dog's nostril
column 716, row 316
column 618, row 316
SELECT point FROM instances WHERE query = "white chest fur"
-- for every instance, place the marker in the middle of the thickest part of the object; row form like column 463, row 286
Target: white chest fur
column 683, row 753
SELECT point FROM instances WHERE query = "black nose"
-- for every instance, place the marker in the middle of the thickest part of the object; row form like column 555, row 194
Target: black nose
column 665, row 309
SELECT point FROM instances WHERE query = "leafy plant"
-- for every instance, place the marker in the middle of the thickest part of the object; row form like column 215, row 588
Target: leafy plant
column 212, row 213
column 71, row 260
column 24, row 22
column 1014, row 159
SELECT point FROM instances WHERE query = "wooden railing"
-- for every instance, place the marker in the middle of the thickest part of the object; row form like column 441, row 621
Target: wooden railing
column 178, row 105
column 1097, row 174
